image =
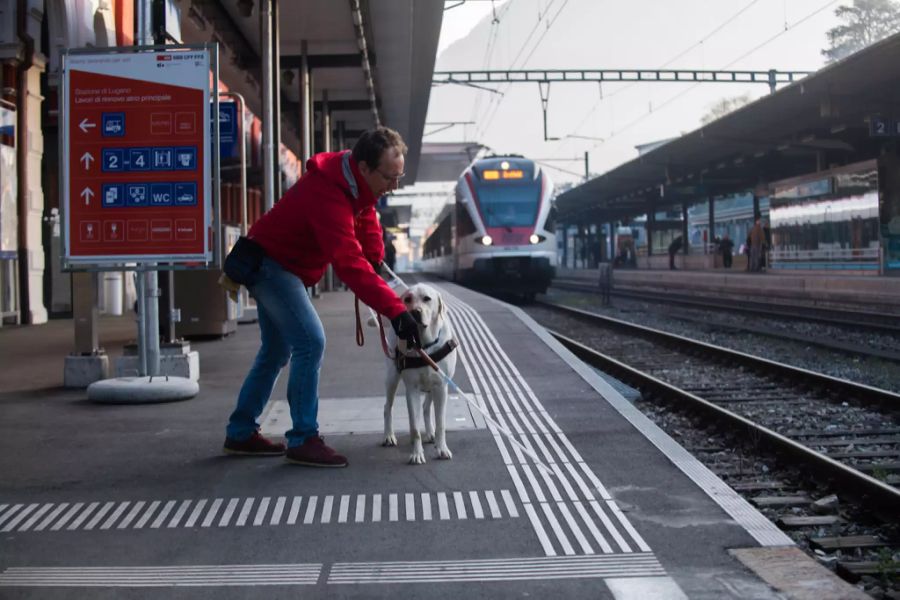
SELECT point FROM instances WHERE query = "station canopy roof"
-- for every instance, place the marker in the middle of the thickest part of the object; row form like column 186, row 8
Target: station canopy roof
column 445, row 161
column 401, row 38
column 820, row 121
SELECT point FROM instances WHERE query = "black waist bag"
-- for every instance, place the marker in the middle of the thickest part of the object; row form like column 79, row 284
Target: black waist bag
column 243, row 261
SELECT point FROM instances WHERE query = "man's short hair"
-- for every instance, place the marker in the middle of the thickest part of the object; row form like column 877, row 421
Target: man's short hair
column 372, row 144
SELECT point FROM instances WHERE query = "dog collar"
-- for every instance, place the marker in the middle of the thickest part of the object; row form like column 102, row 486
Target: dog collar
column 401, row 361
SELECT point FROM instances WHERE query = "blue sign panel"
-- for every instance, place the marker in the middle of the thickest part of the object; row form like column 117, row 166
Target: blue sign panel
column 113, row 195
column 113, row 124
column 137, row 194
column 186, row 193
column 161, row 194
column 186, row 158
column 139, row 159
column 228, row 130
column 161, row 159
column 113, row 159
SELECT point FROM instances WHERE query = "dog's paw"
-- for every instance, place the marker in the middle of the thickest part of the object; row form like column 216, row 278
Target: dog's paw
column 389, row 440
column 443, row 452
column 417, row 458
column 428, row 438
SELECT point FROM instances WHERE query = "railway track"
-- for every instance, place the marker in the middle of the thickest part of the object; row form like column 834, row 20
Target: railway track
column 764, row 406
column 869, row 321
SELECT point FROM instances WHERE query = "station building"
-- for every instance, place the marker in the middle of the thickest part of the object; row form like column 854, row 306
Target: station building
column 342, row 67
column 816, row 160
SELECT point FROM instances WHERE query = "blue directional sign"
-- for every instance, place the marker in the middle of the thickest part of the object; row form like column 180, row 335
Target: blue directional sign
column 160, row 194
column 186, row 194
column 113, row 159
column 113, row 195
column 113, row 124
column 228, row 130
column 139, row 159
column 883, row 127
column 186, row 158
column 162, row 159
column 137, row 194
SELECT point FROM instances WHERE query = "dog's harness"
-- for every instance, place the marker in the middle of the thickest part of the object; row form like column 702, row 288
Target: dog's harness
column 401, row 361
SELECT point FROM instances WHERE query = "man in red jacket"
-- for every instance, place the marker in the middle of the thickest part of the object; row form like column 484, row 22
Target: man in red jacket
column 327, row 217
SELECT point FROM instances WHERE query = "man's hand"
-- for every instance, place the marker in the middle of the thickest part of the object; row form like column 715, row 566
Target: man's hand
column 407, row 329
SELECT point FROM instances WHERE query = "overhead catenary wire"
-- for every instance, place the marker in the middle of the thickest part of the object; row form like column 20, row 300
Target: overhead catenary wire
column 670, row 100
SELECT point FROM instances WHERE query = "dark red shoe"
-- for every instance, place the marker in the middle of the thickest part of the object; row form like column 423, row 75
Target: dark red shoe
column 255, row 445
column 314, row 453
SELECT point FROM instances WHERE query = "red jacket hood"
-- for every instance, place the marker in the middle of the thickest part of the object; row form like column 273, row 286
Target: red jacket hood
column 341, row 168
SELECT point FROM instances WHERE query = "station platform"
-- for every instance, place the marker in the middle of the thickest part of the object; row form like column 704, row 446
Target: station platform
column 138, row 501
column 822, row 290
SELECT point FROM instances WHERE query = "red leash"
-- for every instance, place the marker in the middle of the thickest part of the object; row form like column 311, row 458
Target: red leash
column 360, row 336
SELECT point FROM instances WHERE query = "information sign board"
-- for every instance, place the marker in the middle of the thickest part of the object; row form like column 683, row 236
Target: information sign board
column 136, row 157
column 228, row 130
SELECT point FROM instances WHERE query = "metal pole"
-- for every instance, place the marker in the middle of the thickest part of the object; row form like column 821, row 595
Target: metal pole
column 149, row 301
column 305, row 107
column 712, row 221
column 265, row 15
column 276, row 98
column 684, row 228
column 587, row 167
column 326, row 147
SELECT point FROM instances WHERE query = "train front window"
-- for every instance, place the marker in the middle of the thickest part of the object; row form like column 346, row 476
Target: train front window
column 509, row 205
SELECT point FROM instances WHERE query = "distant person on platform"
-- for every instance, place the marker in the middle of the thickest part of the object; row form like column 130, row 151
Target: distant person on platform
column 757, row 245
column 674, row 247
column 726, row 247
column 327, row 217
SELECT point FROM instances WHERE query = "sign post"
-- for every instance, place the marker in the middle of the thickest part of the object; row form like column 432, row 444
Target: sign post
column 139, row 174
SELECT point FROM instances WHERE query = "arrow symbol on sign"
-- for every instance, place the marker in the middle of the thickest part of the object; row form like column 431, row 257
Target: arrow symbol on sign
column 86, row 158
column 85, row 125
column 87, row 194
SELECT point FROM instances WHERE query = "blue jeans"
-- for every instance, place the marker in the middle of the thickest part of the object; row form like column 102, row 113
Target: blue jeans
column 291, row 330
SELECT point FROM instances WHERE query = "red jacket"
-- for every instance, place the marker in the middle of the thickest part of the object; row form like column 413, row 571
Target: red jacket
column 329, row 217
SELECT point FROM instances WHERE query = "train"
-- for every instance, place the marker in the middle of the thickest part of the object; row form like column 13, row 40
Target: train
column 500, row 233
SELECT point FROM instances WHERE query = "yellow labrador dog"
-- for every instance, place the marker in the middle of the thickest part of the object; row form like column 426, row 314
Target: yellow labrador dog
column 427, row 308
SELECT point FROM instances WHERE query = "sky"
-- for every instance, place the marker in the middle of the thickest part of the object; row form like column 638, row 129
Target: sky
column 593, row 34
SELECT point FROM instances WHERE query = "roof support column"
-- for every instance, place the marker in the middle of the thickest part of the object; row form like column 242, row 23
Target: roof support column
column 684, row 228
column 305, row 107
column 611, row 242
column 711, row 203
column 651, row 222
column 326, row 123
column 756, row 213
column 268, row 145
column 340, row 135
column 276, row 98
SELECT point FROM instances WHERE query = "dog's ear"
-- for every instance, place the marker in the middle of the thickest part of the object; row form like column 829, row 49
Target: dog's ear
column 441, row 310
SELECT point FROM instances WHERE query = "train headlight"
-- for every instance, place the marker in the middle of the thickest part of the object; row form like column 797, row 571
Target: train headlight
column 535, row 238
column 487, row 240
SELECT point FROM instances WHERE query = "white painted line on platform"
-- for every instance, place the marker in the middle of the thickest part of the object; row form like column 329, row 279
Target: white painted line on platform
column 245, row 512
column 163, row 576
column 327, row 505
column 360, row 508
column 162, row 515
column 179, row 514
column 295, row 510
column 229, row 510
column 345, row 506
column 65, row 518
column 589, row 523
column 131, row 514
column 123, row 506
column 82, row 517
column 477, row 511
column 575, row 528
column 598, row 566
column 51, row 517
column 35, row 516
column 213, row 511
column 393, row 511
column 460, row 505
column 410, row 507
column 310, row 510
column 261, row 511
column 376, row 508
column 195, row 514
column 99, row 515
column 623, row 545
column 147, row 514
column 275, row 519
column 426, row 506
column 539, row 530
column 443, row 508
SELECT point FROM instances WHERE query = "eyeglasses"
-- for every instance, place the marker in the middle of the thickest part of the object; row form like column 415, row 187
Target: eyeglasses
column 392, row 178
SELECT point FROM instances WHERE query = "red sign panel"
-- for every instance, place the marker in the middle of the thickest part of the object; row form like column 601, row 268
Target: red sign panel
column 136, row 155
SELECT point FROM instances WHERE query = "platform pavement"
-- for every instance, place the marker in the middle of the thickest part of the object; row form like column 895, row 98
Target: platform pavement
column 140, row 496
